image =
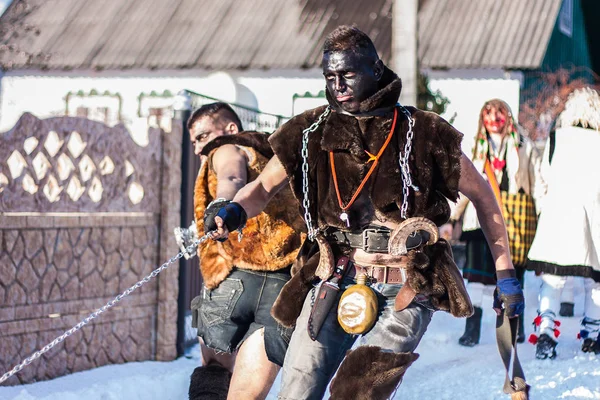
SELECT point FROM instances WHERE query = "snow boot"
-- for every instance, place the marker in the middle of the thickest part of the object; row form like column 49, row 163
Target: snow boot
column 209, row 383
column 545, row 347
column 590, row 328
column 472, row 329
column 591, row 346
column 566, row 309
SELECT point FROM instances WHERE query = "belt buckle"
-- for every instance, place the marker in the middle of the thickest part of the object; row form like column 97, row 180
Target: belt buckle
column 365, row 236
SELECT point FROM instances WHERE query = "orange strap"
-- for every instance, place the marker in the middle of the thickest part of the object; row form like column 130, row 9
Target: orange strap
column 493, row 182
column 373, row 158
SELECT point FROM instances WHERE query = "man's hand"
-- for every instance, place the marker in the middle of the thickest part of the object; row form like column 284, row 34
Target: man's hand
column 509, row 295
column 223, row 216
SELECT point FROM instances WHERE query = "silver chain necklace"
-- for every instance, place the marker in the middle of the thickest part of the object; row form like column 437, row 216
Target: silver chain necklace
column 403, row 161
column 312, row 232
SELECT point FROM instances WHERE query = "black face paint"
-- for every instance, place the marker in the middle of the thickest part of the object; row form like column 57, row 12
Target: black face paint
column 350, row 77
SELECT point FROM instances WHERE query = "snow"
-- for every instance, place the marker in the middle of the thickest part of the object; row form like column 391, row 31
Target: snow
column 445, row 370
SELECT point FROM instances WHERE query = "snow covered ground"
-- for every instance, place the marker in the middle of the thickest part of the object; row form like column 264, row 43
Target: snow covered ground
column 445, row 370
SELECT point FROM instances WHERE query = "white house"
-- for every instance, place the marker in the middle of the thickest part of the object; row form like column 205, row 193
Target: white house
column 123, row 61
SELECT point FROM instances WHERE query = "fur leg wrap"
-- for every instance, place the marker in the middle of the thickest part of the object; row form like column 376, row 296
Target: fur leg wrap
column 368, row 373
column 209, row 383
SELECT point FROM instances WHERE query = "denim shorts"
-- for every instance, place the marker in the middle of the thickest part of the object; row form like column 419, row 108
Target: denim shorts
column 238, row 307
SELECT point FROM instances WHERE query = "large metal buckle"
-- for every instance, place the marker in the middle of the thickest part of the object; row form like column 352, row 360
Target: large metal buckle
column 365, row 236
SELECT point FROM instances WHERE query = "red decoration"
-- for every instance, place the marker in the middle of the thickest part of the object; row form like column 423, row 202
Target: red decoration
column 533, row 339
column 537, row 320
column 557, row 323
column 556, row 333
column 498, row 164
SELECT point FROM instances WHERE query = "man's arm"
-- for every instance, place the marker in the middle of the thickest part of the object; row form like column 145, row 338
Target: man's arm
column 473, row 186
column 230, row 165
column 255, row 196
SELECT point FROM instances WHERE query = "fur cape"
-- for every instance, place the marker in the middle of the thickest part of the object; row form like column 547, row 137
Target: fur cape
column 270, row 241
column 435, row 169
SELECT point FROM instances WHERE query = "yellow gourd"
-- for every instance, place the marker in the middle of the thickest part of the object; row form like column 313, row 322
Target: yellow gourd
column 357, row 309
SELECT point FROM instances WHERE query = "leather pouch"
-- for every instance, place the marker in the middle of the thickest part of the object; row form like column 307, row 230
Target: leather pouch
column 326, row 299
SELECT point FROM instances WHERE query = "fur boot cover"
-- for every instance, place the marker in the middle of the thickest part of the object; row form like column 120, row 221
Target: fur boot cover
column 209, row 383
column 270, row 240
column 368, row 373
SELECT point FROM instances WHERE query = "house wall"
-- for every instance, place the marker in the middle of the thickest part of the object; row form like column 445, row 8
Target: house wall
column 43, row 93
column 467, row 90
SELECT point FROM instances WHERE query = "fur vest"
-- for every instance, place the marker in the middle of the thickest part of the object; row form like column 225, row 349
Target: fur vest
column 435, row 169
column 270, row 241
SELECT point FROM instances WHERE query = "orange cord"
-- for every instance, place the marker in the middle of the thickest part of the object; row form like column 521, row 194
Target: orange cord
column 375, row 160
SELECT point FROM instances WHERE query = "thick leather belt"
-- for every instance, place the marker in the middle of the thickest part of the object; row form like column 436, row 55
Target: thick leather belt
column 392, row 275
column 372, row 239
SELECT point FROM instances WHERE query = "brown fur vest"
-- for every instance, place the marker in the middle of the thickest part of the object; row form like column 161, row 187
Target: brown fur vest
column 435, row 169
column 270, row 241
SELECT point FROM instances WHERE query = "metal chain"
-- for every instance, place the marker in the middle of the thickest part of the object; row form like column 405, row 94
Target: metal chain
column 404, row 165
column 312, row 232
column 190, row 249
column 312, row 304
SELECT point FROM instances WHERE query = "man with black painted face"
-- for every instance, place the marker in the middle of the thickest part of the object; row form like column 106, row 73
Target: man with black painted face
column 373, row 178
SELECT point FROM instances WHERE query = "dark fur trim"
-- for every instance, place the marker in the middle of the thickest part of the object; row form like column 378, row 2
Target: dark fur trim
column 209, row 383
column 288, row 305
column 256, row 140
column 441, row 280
column 369, row 373
column 563, row 270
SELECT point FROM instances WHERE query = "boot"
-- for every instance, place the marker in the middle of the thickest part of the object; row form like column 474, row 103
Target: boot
column 591, row 346
column 209, row 383
column 566, row 309
column 590, row 329
column 545, row 347
column 472, row 329
column 521, row 333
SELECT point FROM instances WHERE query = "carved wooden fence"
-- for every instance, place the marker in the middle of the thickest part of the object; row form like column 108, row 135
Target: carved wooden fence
column 84, row 214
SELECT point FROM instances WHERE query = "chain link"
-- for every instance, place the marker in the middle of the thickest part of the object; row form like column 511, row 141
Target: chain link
column 312, row 304
column 312, row 232
column 404, row 165
column 190, row 249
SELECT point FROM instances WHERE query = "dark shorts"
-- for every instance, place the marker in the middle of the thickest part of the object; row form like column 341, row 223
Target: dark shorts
column 238, row 307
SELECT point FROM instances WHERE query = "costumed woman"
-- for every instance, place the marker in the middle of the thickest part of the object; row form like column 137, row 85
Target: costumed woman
column 510, row 163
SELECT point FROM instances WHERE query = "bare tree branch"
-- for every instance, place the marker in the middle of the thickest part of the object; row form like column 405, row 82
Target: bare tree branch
column 545, row 100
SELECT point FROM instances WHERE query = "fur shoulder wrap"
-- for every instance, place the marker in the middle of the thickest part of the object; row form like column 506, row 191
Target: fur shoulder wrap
column 270, row 241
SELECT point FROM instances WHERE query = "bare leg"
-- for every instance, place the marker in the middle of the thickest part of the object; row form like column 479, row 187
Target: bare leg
column 254, row 374
column 209, row 356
